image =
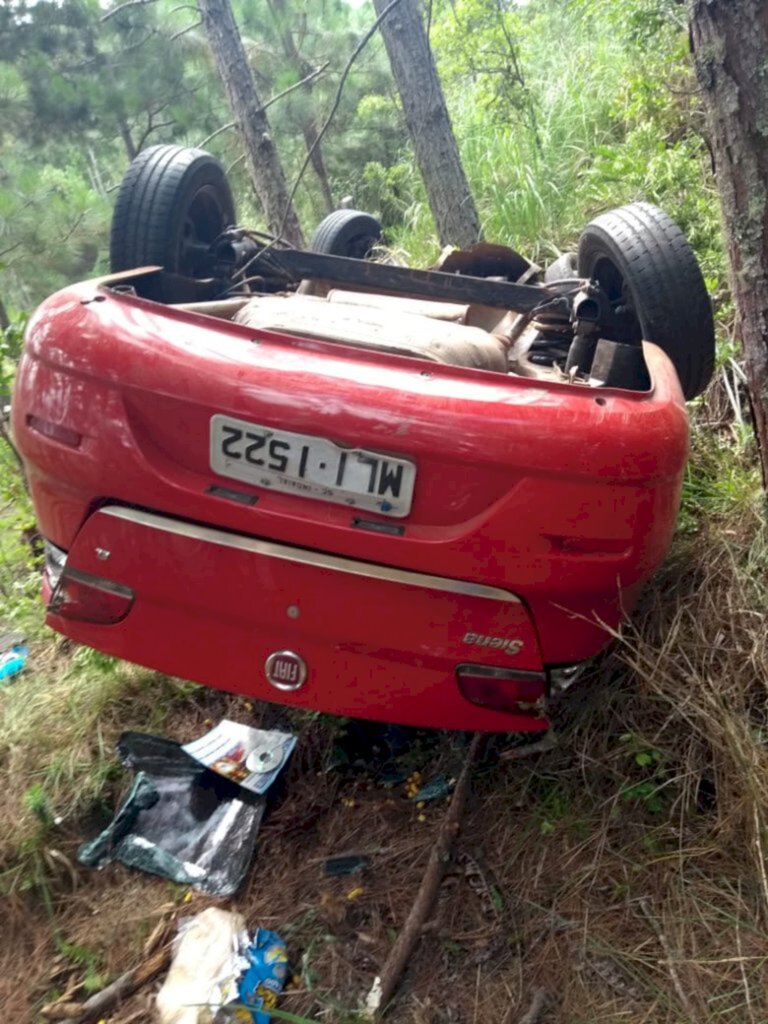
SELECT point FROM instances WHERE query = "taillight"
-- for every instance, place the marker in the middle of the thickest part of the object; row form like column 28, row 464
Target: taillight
column 86, row 598
column 55, row 560
column 503, row 689
column 54, row 431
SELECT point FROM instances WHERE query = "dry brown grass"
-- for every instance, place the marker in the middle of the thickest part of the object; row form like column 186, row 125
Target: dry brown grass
column 624, row 871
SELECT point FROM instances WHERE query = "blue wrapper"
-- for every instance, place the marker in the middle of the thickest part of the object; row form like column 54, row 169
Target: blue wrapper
column 266, row 976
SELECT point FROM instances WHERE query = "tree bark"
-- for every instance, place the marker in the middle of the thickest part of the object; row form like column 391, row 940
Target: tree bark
column 730, row 42
column 263, row 163
column 125, row 135
column 429, row 125
column 308, row 123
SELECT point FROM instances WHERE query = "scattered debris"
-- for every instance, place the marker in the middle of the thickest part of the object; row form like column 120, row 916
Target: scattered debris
column 216, row 966
column 13, row 656
column 265, row 978
column 205, row 967
column 191, row 823
column 386, row 982
column 346, row 864
column 437, row 788
column 250, row 757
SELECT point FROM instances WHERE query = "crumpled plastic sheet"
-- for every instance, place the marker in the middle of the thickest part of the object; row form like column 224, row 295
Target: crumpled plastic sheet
column 180, row 820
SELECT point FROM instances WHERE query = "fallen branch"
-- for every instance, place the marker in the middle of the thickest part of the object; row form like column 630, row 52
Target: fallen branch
column 549, row 742
column 538, row 1005
column 384, row 984
column 670, row 961
column 102, row 1002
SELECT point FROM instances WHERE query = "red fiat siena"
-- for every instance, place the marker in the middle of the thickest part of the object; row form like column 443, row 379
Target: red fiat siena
column 317, row 478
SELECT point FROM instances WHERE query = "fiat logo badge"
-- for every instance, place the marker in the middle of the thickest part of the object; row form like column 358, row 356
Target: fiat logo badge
column 286, row 670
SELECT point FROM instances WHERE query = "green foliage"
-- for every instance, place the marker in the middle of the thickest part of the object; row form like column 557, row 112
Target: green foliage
column 36, row 801
column 614, row 120
column 81, row 95
column 722, row 480
column 88, row 960
column 389, row 192
column 11, row 342
column 479, row 42
column 562, row 108
column 645, row 787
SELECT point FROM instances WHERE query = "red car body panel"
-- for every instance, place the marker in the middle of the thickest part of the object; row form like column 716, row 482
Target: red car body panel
column 557, row 501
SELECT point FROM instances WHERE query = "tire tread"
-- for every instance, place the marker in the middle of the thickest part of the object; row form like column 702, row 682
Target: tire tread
column 664, row 277
column 147, row 200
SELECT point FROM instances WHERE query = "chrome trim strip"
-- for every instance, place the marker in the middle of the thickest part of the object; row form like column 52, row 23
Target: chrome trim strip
column 314, row 558
column 496, row 672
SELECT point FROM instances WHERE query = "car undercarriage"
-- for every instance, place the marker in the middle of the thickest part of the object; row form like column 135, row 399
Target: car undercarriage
column 317, row 477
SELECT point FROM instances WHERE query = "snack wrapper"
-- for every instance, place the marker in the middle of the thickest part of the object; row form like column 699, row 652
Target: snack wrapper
column 266, row 974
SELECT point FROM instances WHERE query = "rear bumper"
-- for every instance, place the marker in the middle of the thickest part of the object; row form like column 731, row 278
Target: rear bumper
column 560, row 497
column 377, row 642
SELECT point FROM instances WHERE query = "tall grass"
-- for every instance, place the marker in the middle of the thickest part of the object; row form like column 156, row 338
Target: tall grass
column 530, row 180
column 615, row 121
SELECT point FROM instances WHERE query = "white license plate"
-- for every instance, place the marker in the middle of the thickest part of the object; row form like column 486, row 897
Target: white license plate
column 311, row 466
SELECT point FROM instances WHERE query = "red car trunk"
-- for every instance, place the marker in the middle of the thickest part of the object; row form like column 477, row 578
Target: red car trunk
column 538, row 509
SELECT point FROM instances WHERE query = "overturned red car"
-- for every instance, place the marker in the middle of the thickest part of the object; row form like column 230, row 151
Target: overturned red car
column 421, row 496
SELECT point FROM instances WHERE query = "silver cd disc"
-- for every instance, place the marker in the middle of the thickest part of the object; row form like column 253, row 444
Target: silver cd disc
column 265, row 757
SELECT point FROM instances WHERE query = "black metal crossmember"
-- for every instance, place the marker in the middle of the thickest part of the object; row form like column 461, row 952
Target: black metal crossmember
column 295, row 264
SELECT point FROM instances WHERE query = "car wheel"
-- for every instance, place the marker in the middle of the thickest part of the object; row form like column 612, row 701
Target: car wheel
column 172, row 203
column 346, row 233
column 644, row 264
column 564, row 268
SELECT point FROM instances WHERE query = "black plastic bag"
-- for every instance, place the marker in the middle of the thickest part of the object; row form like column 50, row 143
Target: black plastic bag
column 180, row 820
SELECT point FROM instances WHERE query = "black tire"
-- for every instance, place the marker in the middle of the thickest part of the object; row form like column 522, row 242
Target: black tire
column 346, row 233
column 173, row 202
column 564, row 267
column 643, row 262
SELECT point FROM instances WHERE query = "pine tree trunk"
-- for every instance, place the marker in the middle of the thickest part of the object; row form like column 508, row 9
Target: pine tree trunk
column 429, row 125
column 730, row 44
column 309, row 125
column 264, row 165
column 125, row 135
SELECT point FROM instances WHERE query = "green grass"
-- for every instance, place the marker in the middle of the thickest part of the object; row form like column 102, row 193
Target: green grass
column 615, row 122
column 60, row 717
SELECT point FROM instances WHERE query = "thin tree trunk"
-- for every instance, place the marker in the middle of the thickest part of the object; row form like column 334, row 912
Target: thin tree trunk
column 429, row 125
column 125, row 135
column 264, row 165
column 730, row 42
column 308, row 125
column 5, row 323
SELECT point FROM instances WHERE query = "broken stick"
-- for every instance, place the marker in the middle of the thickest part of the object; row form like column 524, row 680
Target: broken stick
column 102, row 1002
column 384, row 984
column 537, row 1007
column 542, row 746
